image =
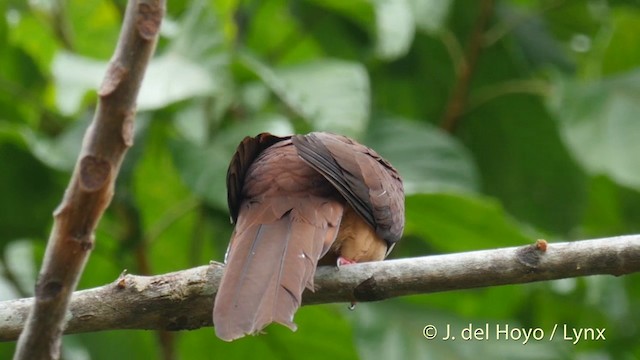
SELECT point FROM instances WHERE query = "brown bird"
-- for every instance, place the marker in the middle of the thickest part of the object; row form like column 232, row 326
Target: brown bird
column 297, row 201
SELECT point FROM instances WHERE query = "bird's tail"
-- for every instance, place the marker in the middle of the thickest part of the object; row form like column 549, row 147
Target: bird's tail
column 272, row 257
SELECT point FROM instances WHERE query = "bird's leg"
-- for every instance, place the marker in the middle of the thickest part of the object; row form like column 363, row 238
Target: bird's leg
column 344, row 261
column 341, row 262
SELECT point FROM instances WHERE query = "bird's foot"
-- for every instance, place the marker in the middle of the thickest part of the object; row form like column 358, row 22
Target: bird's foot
column 344, row 261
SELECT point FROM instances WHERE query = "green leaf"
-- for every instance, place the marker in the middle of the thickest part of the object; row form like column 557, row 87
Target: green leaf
column 195, row 64
column 361, row 11
column 322, row 333
column 60, row 152
column 430, row 15
column 395, row 28
column 18, row 256
column 36, row 39
column 98, row 22
column 286, row 43
column 161, row 86
column 611, row 209
column 455, row 222
column 204, row 168
column 166, row 204
column 428, row 159
column 192, row 122
column 123, row 344
column 622, row 53
column 76, row 75
column 524, row 163
column 196, row 53
column 536, row 44
column 332, row 95
column 599, row 123
column 29, row 193
column 394, row 330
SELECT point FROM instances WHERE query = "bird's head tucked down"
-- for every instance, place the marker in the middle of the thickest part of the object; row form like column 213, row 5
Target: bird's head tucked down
column 298, row 201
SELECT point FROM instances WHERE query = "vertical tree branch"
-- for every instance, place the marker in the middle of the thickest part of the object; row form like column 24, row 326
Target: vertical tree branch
column 91, row 186
column 458, row 100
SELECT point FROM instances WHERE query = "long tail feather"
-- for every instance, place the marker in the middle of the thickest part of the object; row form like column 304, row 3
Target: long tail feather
column 270, row 262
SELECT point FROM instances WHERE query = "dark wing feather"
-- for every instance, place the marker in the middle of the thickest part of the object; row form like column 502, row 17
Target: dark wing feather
column 247, row 151
column 368, row 182
column 313, row 151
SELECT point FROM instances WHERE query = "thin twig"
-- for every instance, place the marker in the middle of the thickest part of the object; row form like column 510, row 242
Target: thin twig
column 91, row 186
column 458, row 100
column 454, row 49
column 483, row 95
column 183, row 300
column 60, row 24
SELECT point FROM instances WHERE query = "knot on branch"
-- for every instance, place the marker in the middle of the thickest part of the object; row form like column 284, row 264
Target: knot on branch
column 94, row 173
column 531, row 255
column 113, row 77
column 127, row 129
column 175, row 323
column 367, row 290
column 148, row 19
column 48, row 290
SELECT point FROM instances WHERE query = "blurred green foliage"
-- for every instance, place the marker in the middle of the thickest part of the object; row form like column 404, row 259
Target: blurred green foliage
column 544, row 146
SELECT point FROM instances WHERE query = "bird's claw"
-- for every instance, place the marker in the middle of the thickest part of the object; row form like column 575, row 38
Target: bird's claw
column 344, row 261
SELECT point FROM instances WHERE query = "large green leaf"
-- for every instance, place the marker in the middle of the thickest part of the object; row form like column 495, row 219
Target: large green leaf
column 428, row 159
column 60, row 152
column 523, row 162
column 97, row 21
column 203, row 167
column 32, row 36
column 167, row 208
column 599, row 123
column 286, row 43
column 161, row 87
column 124, row 344
column 394, row 330
column 456, row 222
column 76, row 75
column 611, row 209
column 331, row 94
column 622, row 54
column 395, row 28
column 17, row 260
column 361, row 11
column 186, row 70
column 430, row 15
column 29, row 193
column 533, row 40
column 322, row 333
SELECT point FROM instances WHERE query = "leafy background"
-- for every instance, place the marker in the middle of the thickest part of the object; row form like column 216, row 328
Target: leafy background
column 525, row 127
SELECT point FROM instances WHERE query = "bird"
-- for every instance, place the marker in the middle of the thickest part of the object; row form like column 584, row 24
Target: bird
column 297, row 202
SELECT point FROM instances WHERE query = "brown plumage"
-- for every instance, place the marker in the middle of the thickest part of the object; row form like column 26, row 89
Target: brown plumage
column 297, row 201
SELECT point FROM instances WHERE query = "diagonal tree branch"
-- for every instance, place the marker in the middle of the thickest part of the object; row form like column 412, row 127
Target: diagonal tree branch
column 183, row 300
column 91, row 186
